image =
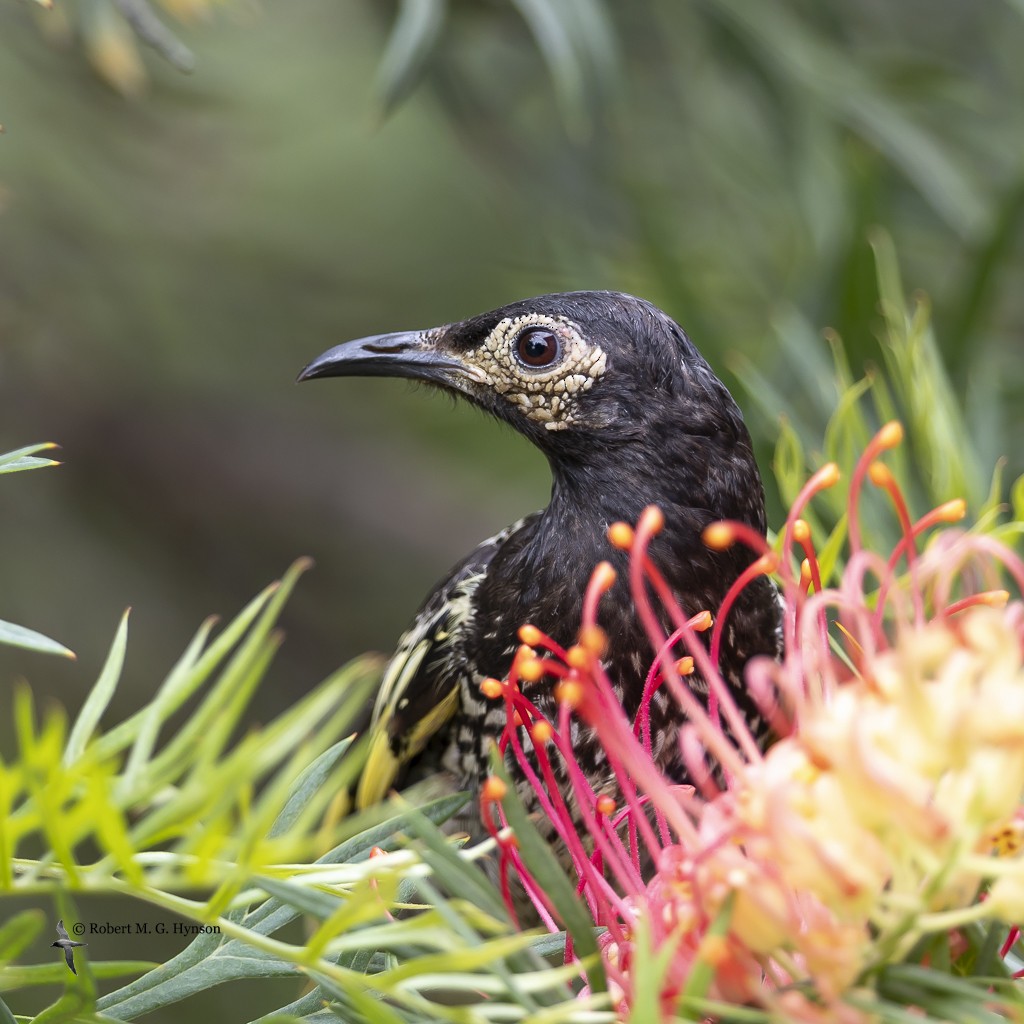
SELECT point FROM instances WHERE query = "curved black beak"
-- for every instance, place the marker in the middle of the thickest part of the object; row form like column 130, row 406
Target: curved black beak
column 406, row 354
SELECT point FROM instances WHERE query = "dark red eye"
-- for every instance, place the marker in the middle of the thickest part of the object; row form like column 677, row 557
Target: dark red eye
column 537, row 346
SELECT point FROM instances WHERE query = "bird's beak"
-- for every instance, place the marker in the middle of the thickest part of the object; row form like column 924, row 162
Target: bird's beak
column 406, row 354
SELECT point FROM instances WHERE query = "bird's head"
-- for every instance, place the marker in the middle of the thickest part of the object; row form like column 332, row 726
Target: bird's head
column 570, row 370
column 599, row 381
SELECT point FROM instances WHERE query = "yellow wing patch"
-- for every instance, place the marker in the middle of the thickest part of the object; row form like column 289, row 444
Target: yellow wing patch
column 383, row 765
column 420, row 691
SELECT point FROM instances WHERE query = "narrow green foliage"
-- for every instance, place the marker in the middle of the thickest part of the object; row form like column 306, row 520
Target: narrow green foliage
column 211, row 812
column 168, row 697
column 455, row 872
column 944, row 996
column 99, row 697
column 806, row 61
column 574, row 38
column 18, row 933
column 990, row 258
column 22, row 459
column 949, row 464
column 414, row 35
column 937, row 463
column 551, row 877
column 699, row 982
column 10, row 634
column 310, row 784
column 20, row 636
column 335, row 890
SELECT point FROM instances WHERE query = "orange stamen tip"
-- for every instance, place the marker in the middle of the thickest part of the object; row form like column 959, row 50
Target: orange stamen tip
column 605, row 805
column 700, row 622
column 714, row 950
column 805, row 572
column 542, row 732
column 719, row 536
column 890, row 435
column 494, row 789
column 995, row 598
column 517, row 719
column 569, row 691
column 827, row 476
column 530, row 669
column 603, row 577
column 594, row 640
column 492, row 687
column 768, row 562
column 880, row 475
column 530, row 635
column 377, row 852
column 684, row 666
column 952, row 511
column 621, row 535
column 578, row 657
column 652, row 519
column 801, row 531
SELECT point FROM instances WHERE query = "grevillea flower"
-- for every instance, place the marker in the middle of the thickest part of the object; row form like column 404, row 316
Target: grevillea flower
column 888, row 808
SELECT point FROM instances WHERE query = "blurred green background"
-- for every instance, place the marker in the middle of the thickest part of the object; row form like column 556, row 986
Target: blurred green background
column 173, row 248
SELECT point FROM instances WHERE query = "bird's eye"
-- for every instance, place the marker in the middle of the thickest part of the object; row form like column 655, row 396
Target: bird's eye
column 537, row 347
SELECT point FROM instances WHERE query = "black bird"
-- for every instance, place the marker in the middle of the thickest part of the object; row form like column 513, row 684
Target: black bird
column 65, row 942
column 629, row 414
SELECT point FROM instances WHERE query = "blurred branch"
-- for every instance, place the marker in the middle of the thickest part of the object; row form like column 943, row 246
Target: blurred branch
column 153, row 32
column 824, row 71
column 990, row 260
column 574, row 38
column 413, row 38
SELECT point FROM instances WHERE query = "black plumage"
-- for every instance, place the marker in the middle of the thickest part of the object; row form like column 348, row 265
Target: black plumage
column 628, row 414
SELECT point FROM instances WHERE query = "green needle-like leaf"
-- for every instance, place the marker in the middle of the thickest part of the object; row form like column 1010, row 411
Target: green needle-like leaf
column 703, row 973
column 166, row 700
column 455, row 872
column 552, row 880
column 415, row 34
column 308, row 784
column 20, row 636
column 99, row 697
column 17, row 461
column 19, row 932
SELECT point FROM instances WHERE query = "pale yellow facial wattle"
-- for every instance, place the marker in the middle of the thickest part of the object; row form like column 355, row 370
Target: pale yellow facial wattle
column 547, row 394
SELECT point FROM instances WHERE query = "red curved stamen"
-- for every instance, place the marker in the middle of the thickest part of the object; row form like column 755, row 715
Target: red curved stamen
column 642, row 570
column 881, row 476
column 888, row 437
column 987, row 598
column 763, row 566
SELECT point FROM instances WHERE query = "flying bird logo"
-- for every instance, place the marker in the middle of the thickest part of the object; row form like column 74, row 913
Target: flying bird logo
column 65, row 942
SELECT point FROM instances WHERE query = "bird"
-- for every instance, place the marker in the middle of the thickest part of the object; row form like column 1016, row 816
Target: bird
column 65, row 942
column 628, row 414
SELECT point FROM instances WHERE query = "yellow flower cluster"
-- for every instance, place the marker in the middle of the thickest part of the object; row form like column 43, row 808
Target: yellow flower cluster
column 880, row 818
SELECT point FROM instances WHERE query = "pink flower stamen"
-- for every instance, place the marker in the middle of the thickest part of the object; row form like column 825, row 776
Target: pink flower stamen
column 888, row 437
column 776, row 871
column 763, row 566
